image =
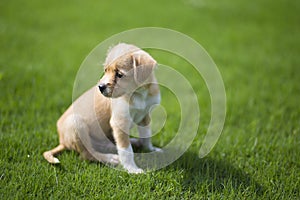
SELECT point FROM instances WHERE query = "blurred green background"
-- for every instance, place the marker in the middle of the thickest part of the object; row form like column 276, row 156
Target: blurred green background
column 255, row 45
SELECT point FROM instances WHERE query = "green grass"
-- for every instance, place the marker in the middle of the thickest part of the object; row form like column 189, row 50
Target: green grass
column 256, row 46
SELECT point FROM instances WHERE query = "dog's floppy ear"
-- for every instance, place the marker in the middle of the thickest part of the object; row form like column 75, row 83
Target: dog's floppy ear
column 143, row 66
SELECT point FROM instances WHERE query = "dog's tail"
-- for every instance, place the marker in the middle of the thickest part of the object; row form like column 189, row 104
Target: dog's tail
column 49, row 155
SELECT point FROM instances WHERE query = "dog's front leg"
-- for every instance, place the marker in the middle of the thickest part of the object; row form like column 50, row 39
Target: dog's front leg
column 125, row 152
column 146, row 134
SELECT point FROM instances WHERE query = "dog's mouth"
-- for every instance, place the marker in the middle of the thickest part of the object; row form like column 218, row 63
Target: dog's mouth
column 107, row 94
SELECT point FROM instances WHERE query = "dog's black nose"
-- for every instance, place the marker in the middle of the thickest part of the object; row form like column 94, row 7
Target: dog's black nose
column 102, row 87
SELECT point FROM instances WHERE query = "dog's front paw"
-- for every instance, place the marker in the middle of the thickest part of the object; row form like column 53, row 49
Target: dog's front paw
column 154, row 149
column 134, row 170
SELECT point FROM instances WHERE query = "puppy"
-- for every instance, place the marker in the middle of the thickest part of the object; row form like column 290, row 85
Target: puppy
column 105, row 114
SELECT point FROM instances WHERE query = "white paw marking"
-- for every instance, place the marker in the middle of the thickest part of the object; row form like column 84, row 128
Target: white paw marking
column 156, row 149
column 134, row 170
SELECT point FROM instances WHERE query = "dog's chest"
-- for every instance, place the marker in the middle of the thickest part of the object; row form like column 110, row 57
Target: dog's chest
column 141, row 105
column 134, row 109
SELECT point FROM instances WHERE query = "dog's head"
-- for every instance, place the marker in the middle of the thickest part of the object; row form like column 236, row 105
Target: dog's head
column 126, row 72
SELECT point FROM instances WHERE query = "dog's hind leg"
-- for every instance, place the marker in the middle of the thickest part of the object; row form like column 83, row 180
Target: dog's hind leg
column 74, row 135
column 79, row 134
column 88, row 152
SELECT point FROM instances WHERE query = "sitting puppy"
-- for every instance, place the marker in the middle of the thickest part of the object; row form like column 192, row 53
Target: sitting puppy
column 98, row 119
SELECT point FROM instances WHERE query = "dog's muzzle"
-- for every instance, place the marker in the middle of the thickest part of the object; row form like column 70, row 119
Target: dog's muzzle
column 102, row 88
column 105, row 90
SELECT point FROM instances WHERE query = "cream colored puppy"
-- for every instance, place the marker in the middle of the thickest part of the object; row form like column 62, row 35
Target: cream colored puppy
column 105, row 114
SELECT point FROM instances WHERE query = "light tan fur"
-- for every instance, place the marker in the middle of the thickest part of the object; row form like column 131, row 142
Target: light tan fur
column 95, row 121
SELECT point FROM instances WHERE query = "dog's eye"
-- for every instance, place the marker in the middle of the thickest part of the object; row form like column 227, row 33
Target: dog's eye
column 119, row 75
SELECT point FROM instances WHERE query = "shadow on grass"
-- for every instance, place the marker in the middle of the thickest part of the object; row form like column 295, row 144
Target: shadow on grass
column 217, row 175
column 214, row 175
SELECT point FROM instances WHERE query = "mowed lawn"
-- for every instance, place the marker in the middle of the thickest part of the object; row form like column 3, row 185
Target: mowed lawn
column 255, row 45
